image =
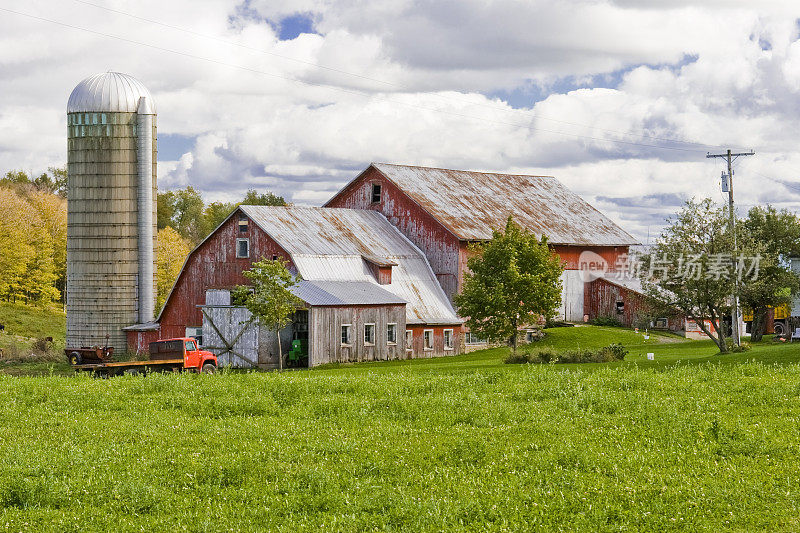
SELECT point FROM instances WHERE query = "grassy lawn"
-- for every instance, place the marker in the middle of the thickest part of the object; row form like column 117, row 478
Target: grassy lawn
column 688, row 441
column 23, row 325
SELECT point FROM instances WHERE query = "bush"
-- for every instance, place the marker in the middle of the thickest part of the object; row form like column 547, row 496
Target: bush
column 546, row 354
column 732, row 348
column 607, row 321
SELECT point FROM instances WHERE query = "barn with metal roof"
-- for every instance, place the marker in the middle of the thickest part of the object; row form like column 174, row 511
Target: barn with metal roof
column 442, row 211
column 369, row 292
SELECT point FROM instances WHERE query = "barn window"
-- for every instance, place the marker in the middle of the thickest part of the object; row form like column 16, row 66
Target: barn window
column 620, row 307
column 242, row 248
column 196, row 334
column 391, row 333
column 369, row 334
column 448, row 339
column 409, row 340
column 243, row 224
column 346, row 334
column 427, row 336
column 376, row 193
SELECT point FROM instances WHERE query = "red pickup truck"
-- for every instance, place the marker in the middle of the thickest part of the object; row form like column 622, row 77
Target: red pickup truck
column 169, row 354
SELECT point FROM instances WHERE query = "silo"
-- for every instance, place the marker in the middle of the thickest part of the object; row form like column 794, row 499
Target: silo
column 111, row 205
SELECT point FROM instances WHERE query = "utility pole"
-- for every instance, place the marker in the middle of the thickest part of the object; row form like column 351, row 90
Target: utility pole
column 731, row 157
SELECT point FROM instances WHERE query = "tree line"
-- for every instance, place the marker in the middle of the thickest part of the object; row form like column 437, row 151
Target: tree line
column 33, row 233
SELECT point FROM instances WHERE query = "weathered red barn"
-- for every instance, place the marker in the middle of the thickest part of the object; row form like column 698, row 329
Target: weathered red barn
column 442, row 211
column 328, row 246
column 623, row 299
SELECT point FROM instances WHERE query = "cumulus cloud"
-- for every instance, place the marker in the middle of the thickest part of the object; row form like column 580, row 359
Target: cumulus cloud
column 417, row 82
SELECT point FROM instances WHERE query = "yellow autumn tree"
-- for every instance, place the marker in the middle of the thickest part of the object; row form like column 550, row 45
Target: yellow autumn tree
column 15, row 248
column 53, row 211
column 171, row 252
column 27, row 250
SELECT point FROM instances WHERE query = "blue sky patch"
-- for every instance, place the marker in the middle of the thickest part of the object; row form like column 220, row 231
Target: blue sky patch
column 171, row 146
column 293, row 25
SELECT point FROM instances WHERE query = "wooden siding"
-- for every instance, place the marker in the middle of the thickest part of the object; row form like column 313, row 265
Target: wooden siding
column 438, row 244
column 325, row 334
column 601, row 297
column 418, row 350
column 570, row 255
column 212, row 265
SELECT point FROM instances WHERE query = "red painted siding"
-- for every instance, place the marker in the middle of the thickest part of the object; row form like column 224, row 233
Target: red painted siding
column 213, row 265
column 440, row 246
column 418, row 346
column 571, row 254
column 601, row 297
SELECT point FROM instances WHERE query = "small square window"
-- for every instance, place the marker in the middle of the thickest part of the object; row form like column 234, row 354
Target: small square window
column 391, row 333
column 242, row 248
column 243, row 224
column 346, row 334
column 448, row 339
column 427, row 336
column 369, row 334
column 376, row 193
column 196, row 333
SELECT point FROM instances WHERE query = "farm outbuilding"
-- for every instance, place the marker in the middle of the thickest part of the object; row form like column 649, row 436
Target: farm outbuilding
column 360, row 275
column 623, row 299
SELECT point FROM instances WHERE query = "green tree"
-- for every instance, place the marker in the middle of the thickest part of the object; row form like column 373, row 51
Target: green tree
column 512, row 281
column 214, row 213
column 775, row 236
column 165, row 205
column 271, row 300
column 690, row 267
column 253, row 198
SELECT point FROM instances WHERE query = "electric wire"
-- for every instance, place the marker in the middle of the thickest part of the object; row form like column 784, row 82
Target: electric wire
column 348, row 91
column 388, row 83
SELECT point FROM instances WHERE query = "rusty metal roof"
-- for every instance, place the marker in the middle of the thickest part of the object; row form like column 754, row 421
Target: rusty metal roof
column 471, row 204
column 333, row 244
column 324, row 292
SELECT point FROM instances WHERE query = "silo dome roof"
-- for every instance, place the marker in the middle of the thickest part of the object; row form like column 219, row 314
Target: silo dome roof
column 109, row 92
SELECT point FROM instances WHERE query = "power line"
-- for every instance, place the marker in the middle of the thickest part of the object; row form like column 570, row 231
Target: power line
column 388, row 83
column 343, row 90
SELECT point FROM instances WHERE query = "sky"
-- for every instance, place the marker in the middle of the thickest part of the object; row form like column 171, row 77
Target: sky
column 620, row 100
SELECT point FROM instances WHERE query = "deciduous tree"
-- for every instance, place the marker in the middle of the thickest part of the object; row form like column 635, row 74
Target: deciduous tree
column 271, row 300
column 512, row 281
column 171, row 252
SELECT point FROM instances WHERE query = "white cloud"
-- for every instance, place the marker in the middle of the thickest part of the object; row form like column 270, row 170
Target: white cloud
column 678, row 70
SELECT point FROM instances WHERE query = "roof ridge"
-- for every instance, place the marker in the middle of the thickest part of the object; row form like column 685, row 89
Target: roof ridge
column 466, row 171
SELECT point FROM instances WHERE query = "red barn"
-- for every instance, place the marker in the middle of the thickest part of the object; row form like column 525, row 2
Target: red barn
column 332, row 249
column 443, row 211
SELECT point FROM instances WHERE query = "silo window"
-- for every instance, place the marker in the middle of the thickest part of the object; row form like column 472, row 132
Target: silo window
column 242, row 248
column 376, row 193
column 243, row 224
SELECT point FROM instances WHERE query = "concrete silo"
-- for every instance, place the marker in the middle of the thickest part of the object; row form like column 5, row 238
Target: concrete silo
column 111, row 221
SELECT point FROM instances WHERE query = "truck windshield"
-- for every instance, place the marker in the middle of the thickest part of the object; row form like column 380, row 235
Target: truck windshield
column 190, row 347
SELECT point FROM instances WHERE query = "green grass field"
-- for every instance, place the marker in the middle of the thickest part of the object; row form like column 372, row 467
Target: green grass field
column 688, row 441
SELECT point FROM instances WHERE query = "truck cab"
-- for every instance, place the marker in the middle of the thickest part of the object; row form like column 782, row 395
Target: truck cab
column 186, row 348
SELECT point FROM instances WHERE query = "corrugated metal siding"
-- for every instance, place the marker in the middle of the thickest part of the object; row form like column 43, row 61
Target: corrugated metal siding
column 470, row 204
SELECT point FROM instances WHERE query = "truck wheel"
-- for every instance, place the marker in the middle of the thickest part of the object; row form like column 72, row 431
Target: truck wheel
column 208, row 368
column 778, row 328
column 75, row 358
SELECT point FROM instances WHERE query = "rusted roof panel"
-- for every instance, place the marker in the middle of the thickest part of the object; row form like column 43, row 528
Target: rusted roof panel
column 471, row 204
column 335, row 244
column 322, row 292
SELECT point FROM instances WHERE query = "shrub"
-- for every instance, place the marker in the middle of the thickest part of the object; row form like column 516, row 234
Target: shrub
column 546, row 354
column 607, row 321
column 732, row 348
